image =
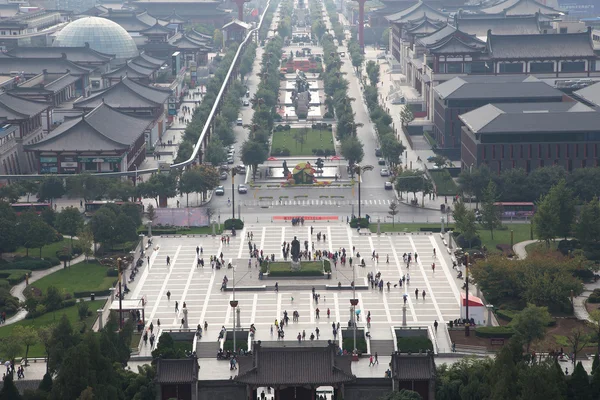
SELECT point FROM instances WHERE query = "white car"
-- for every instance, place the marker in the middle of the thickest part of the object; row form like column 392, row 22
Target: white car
column 246, row 103
column 242, row 189
column 388, row 186
column 384, row 172
column 220, row 190
column 240, row 122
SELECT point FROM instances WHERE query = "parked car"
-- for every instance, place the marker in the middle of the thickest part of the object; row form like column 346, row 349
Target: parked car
column 223, row 176
column 220, row 190
column 230, row 160
column 239, row 122
column 246, row 103
column 388, row 186
column 241, row 169
column 242, row 189
column 378, row 152
column 381, row 161
column 384, row 172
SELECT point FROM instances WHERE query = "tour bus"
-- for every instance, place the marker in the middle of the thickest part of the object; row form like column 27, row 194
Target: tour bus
column 37, row 207
column 92, row 206
column 516, row 209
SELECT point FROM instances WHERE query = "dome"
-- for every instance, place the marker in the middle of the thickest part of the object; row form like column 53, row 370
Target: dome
column 102, row 34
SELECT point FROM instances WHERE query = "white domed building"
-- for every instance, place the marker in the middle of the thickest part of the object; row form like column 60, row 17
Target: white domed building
column 103, row 35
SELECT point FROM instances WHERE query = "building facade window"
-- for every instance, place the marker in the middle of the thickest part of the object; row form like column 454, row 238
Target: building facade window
column 572, row 66
column 511, row 68
column 539, row 67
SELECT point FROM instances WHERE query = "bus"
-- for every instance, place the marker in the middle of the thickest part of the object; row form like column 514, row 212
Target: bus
column 19, row 208
column 516, row 209
column 92, row 206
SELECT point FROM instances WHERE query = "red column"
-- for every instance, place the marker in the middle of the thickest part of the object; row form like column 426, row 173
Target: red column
column 240, row 4
column 361, row 24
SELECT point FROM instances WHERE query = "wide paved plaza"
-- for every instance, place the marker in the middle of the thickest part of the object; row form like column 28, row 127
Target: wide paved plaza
column 200, row 288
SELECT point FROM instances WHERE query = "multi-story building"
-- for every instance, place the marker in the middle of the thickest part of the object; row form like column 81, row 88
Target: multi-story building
column 531, row 135
column 466, row 93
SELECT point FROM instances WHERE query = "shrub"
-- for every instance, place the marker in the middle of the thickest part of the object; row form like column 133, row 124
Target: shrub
column 8, row 303
column 465, row 244
column 414, row 344
column 327, row 265
column 348, row 344
column 506, row 315
column 112, row 272
column 233, row 223
column 494, row 332
column 595, row 296
column 14, row 276
column 56, row 260
column 355, row 222
column 32, row 264
column 505, row 249
column 228, row 345
column 82, row 310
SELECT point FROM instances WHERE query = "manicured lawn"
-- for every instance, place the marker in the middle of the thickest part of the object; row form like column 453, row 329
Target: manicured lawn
column 82, row 277
column 48, row 250
column 283, row 268
column 313, row 139
column 444, row 183
column 49, row 319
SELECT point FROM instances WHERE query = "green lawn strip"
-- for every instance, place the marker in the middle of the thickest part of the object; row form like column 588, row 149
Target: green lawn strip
column 49, row 250
column 521, row 232
column 444, row 183
column 37, row 350
column 314, row 139
column 283, row 268
column 81, row 277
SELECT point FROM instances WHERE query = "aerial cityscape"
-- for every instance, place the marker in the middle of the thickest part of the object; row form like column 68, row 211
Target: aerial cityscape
column 299, row 199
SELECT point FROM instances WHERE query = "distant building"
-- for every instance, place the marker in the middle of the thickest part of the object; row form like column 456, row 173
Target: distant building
column 103, row 140
column 196, row 11
column 31, row 29
column 530, row 136
column 466, row 93
column 235, row 31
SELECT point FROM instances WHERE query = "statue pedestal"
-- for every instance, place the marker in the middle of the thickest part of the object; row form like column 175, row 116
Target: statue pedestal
column 295, row 265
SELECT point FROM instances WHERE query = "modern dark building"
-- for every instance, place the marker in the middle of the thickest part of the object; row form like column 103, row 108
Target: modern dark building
column 466, row 93
column 530, row 136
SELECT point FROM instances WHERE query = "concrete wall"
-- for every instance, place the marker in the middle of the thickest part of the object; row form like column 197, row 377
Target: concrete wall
column 221, row 390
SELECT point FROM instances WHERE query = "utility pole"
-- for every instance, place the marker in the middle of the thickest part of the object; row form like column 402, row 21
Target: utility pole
column 467, row 331
column 233, row 303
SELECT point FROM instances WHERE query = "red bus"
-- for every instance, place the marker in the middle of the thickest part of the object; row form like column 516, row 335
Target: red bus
column 36, row 207
column 516, row 209
column 92, row 206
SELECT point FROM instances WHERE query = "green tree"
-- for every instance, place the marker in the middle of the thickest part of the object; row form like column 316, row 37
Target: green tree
column 594, row 323
column 33, row 232
column 579, row 384
column 120, row 190
column 166, row 348
column 87, row 394
column 406, row 115
column 566, row 214
column 587, row 228
column 69, row 222
column 45, row 337
column 9, row 390
column 86, row 241
column 215, row 151
column 49, row 216
column 103, row 226
column 133, row 211
column 393, row 211
column 391, row 149
column 352, row 150
column 385, row 37
column 51, row 188
column 125, row 229
column 218, row 39
column 151, row 213
column 82, row 309
column 530, row 324
column 9, row 241
column 254, row 154
column 373, row 72
column 60, row 340
column 578, row 339
column 27, row 336
column 490, row 214
column 159, row 185
column 10, row 193
column 440, row 161
column 546, row 219
column 541, row 381
column 11, row 347
column 401, row 395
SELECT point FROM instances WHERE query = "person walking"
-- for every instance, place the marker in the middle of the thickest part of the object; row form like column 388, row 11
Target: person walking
column 328, row 312
column 145, row 338
column 151, row 328
column 168, row 261
column 435, row 325
column 303, row 334
column 417, row 293
column 176, row 306
column 299, row 337
column 371, row 363
column 317, row 331
column 317, row 313
column 158, row 324
column 423, row 294
column 432, row 267
column 168, row 295
column 152, row 338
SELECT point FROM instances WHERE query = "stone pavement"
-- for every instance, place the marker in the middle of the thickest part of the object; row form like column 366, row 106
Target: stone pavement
column 199, row 287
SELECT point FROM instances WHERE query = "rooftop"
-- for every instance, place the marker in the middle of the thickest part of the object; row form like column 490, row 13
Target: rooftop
column 560, row 45
column 474, row 87
column 590, row 94
column 417, row 12
column 413, row 367
column 131, row 70
column 34, row 66
column 81, row 54
column 126, row 93
column 16, row 108
column 177, row 371
column 519, row 25
column 521, row 7
column 102, row 129
column 532, row 118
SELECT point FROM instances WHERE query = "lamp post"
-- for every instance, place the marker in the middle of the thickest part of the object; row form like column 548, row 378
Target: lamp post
column 467, row 332
column 359, row 169
column 119, row 266
column 353, row 303
column 442, row 231
column 233, row 173
column 233, row 303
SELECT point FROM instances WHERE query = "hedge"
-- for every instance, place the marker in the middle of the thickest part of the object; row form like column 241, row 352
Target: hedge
column 228, row 345
column 494, row 332
column 327, row 265
column 158, row 231
column 361, row 344
column 112, row 272
column 595, row 296
column 354, row 222
column 14, row 276
column 233, row 223
column 296, row 273
column 506, row 315
column 98, row 293
column 414, row 344
column 32, row 264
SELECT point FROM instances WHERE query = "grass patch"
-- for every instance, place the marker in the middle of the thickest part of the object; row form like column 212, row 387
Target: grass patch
column 48, row 250
column 361, row 344
column 308, row 268
column 135, row 340
column 37, row 350
column 228, row 345
column 414, row 344
column 313, row 139
column 82, row 277
column 444, row 183
column 540, row 247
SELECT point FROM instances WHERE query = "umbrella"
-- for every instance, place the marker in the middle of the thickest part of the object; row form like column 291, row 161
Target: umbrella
column 335, row 158
column 271, row 159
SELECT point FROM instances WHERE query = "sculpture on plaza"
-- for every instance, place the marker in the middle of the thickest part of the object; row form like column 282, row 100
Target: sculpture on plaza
column 295, row 250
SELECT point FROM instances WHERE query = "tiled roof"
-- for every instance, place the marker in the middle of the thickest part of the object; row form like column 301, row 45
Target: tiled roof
column 520, row 7
column 456, row 45
column 499, row 25
column 416, row 12
column 559, row 45
column 294, row 366
column 102, row 129
column 413, row 367
column 591, row 94
column 496, row 87
column 82, row 54
column 130, row 70
column 148, row 61
column 36, row 66
column 438, row 35
column 424, row 26
column 126, row 93
column 177, row 371
column 14, row 108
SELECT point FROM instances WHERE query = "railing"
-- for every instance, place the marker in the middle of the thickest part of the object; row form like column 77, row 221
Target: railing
column 211, row 116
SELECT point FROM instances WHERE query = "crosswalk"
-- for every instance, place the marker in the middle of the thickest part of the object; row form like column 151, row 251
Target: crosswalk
column 313, row 202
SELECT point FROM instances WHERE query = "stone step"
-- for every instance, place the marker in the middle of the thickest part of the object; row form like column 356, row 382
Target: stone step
column 382, row 347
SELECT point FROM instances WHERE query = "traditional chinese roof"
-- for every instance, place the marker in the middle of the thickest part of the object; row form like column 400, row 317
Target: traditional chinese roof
column 102, row 129
column 417, row 12
column 497, row 87
column 157, row 29
column 560, row 45
column 51, row 83
column 500, row 25
column 175, row 18
column 34, row 66
column 590, row 94
column 177, row 371
column 126, row 93
column 78, row 55
column 147, row 61
column 521, row 7
column 236, row 22
column 424, row 26
column 437, row 36
column 16, row 108
column 294, row 366
column 457, row 44
column 185, row 42
column 532, row 118
column 133, row 21
column 130, row 70
column 413, row 367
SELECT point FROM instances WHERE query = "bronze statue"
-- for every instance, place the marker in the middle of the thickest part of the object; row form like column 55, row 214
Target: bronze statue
column 295, row 250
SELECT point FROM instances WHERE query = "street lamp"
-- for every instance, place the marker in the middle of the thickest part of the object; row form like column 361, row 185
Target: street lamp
column 353, row 303
column 119, row 265
column 233, row 303
column 233, row 173
column 467, row 332
column 359, row 169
